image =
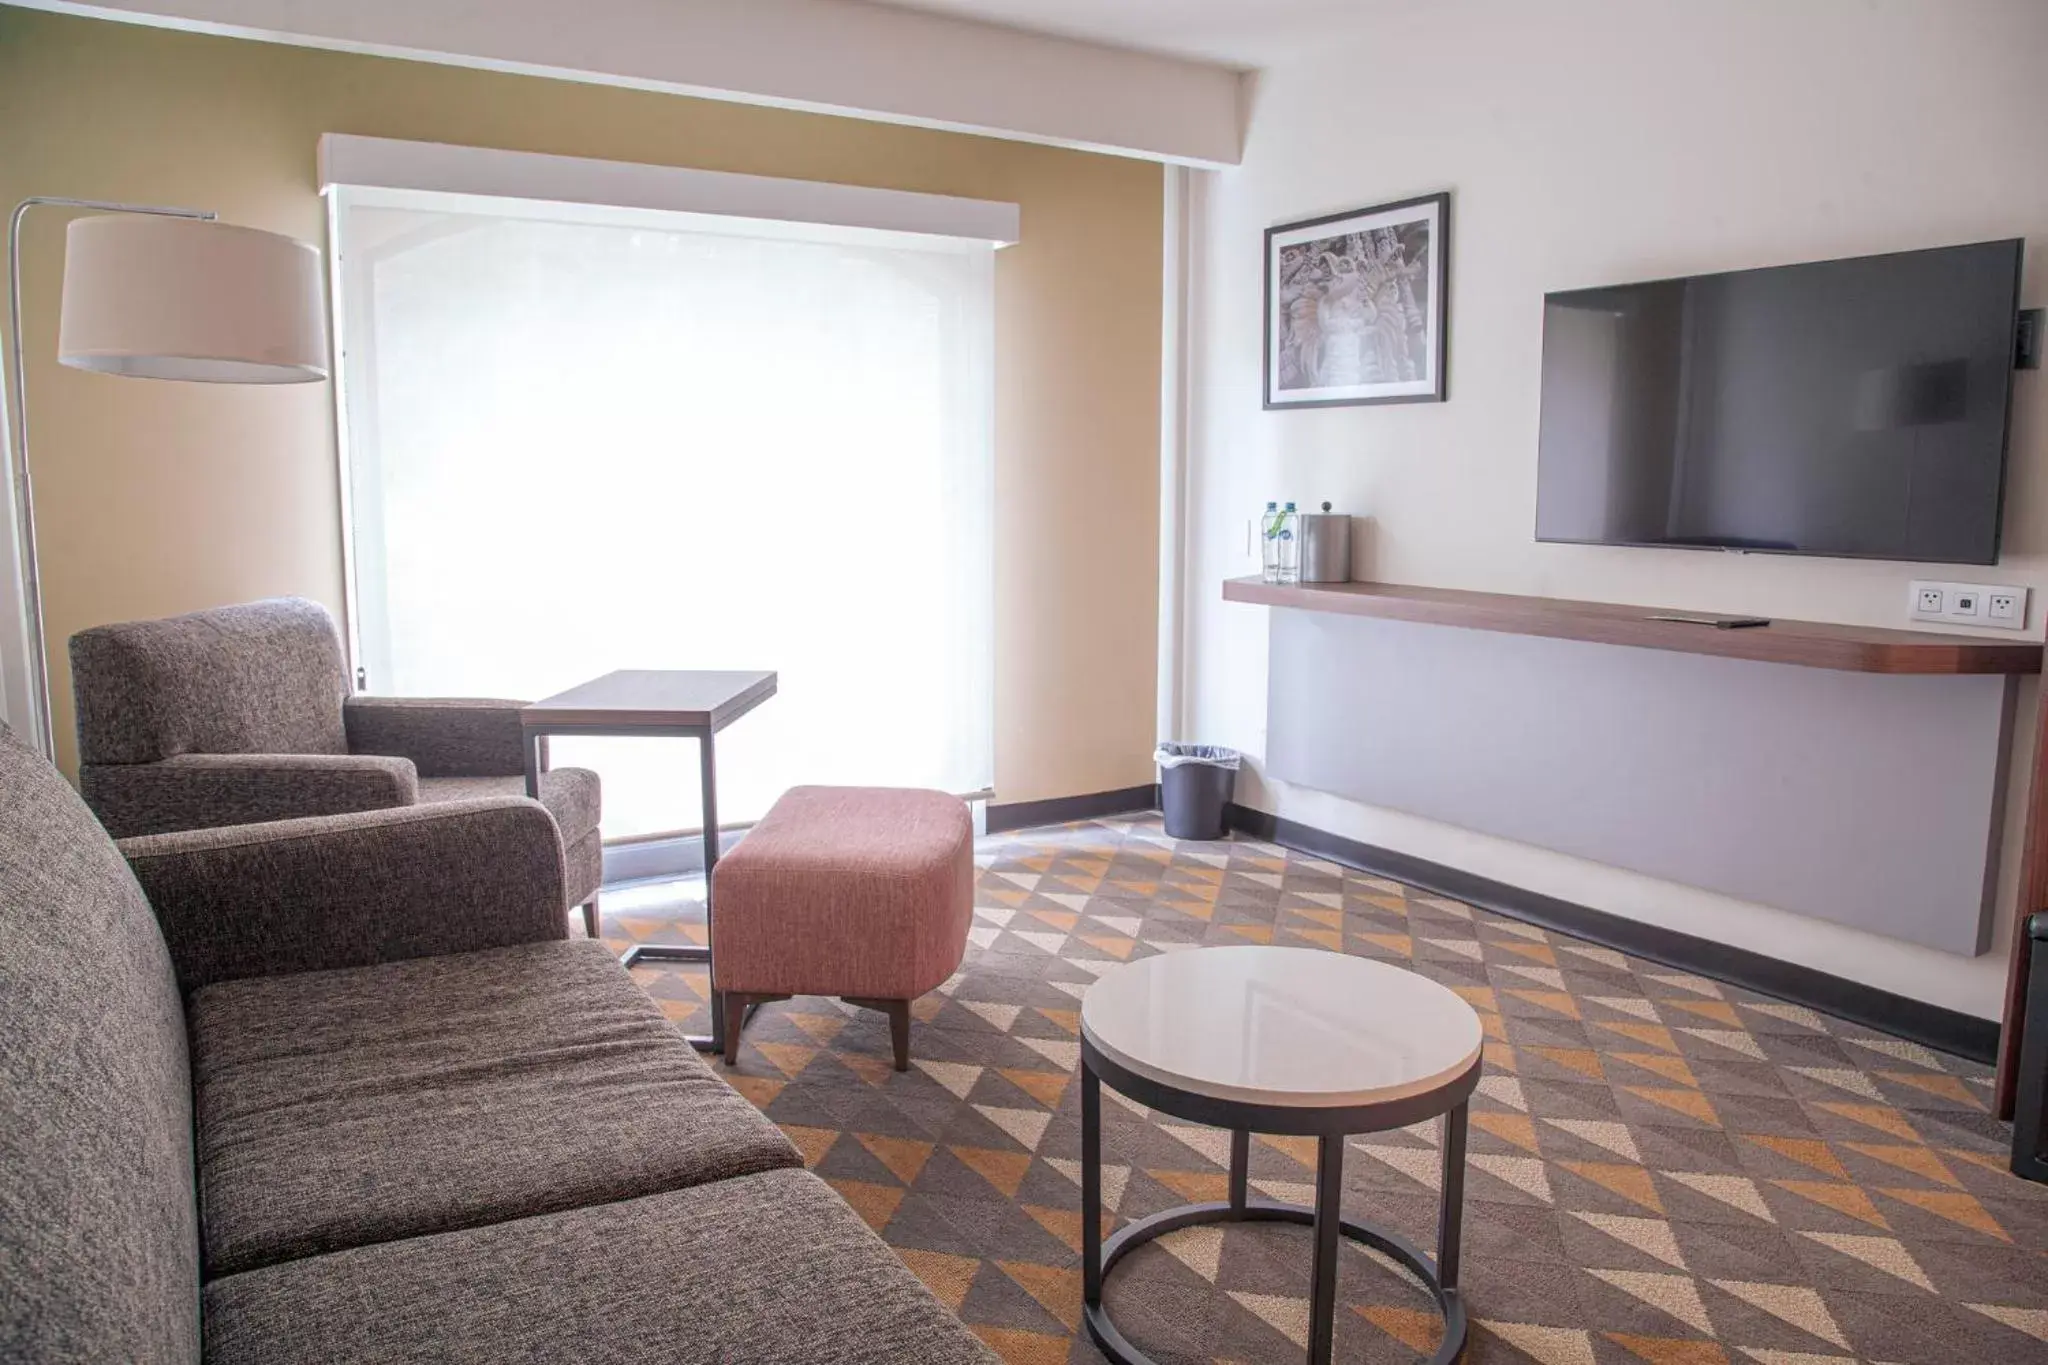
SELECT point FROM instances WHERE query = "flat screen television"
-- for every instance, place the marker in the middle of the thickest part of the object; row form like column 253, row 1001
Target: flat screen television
column 1855, row 408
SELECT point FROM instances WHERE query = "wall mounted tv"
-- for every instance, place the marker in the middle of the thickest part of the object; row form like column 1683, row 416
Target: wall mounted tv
column 1855, row 408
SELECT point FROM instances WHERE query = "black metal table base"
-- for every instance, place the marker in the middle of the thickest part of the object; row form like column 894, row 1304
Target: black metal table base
column 713, row 1041
column 1330, row 1127
column 1410, row 1257
column 707, row 777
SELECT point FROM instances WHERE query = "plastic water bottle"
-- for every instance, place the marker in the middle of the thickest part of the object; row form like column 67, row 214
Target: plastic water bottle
column 1289, row 556
column 1269, row 543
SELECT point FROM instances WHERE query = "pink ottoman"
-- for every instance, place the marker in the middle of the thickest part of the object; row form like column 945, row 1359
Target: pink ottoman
column 860, row 892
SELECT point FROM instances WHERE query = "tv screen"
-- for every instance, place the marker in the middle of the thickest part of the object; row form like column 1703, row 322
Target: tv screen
column 1853, row 408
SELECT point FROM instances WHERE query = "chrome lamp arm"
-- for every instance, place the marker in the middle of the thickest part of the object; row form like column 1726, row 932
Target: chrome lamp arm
column 24, row 496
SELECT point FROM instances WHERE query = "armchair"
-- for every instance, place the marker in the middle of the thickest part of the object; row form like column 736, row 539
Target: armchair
column 243, row 715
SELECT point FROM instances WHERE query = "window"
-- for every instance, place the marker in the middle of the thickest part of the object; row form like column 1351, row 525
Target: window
column 580, row 438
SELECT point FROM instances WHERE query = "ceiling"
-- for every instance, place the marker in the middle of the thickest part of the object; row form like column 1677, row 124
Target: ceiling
column 1241, row 33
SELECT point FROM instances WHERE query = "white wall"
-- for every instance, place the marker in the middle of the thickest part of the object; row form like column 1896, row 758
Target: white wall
column 1588, row 142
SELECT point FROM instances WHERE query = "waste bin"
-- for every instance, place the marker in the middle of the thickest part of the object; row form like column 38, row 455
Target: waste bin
column 1195, row 782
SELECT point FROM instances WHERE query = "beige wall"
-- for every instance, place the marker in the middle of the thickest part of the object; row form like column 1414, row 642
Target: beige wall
column 1588, row 142
column 158, row 498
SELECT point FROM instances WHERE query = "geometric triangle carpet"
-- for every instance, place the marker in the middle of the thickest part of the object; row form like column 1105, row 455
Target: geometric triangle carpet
column 1662, row 1168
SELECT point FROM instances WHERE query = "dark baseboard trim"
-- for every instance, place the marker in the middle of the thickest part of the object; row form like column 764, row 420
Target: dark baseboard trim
column 1060, row 810
column 682, row 855
column 663, row 857
column 1945, row 1030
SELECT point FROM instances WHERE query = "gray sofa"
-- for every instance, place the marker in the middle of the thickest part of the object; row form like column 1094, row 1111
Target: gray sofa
column 350, row 1093
column 243, row 714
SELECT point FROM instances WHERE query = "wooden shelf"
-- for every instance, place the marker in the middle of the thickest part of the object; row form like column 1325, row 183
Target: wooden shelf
column 1853, row 649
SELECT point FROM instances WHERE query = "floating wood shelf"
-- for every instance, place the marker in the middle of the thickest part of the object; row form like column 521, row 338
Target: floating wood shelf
column 1852, row 649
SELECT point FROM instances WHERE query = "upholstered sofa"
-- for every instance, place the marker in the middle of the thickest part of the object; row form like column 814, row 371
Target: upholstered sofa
column 342, row 1089
column 243, row 714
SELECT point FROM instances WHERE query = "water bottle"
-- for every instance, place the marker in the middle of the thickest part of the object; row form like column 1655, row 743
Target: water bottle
column 1289, row 555
column 1269, row 543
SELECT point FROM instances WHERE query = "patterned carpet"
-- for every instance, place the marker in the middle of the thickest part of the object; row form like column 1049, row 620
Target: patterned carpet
column 1662, row 1168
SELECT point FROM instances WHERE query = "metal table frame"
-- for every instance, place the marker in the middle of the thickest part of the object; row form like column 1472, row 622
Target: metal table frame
column 536, row 734
column 1330, row 1127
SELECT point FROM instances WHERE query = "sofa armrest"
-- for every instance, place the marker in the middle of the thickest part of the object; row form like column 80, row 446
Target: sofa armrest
column 443, row 736
column 353, row 890
column 199, row 791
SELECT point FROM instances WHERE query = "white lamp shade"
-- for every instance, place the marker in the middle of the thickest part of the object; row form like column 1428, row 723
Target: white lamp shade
column 182, row 298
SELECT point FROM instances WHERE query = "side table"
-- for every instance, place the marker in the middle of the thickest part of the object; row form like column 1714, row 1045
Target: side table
column 685, row 704
column 1286, row 1041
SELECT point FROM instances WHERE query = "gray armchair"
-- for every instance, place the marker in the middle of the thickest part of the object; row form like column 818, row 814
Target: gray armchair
column 242, row 715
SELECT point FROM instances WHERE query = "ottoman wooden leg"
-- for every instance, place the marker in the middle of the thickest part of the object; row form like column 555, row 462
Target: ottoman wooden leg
column 739, row 1008
column 735, row 1011
column 899, row 1025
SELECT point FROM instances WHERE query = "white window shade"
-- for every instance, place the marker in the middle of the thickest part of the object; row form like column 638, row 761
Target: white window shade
column 580, row 439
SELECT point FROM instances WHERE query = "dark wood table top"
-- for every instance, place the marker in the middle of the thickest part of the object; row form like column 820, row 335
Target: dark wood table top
column 653, row 698
column 1815, row 644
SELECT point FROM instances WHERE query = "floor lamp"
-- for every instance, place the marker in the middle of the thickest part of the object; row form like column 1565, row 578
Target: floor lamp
column 160, row 293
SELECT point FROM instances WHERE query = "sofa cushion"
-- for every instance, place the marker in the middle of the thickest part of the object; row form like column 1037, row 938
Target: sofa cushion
column 343, row 1108
column 570, row 794
column 770, row 1268
column 99, row 1239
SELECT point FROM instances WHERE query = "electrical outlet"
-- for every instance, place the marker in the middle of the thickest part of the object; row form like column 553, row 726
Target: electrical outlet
column 1969, row 604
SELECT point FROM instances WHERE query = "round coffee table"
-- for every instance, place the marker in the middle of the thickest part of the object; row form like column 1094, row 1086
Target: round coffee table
column 1287, row 1041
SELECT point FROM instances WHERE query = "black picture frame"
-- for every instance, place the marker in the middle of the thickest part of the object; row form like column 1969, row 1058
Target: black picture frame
column 1432, row 213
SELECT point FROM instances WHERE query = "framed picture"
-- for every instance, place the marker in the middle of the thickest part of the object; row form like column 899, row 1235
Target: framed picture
column 1355, row 306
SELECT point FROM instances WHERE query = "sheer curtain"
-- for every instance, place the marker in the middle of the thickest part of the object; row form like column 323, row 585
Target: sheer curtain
column 579, row 441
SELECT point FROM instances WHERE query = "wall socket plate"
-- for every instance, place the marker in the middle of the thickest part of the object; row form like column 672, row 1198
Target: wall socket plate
column 1967, row 604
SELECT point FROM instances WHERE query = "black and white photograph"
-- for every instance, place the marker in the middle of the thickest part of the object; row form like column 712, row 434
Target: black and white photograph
column 1355, row 306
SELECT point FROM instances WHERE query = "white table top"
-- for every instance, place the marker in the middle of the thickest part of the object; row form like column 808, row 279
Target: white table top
column 1283, row 1026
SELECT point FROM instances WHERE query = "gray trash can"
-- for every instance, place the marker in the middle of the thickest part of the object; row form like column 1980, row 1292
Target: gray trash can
column 1195, row 783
